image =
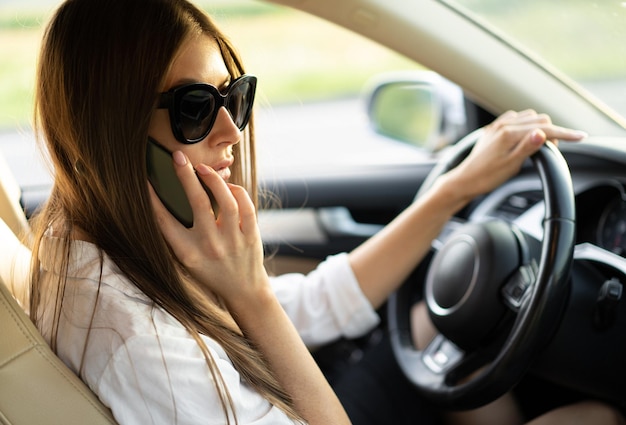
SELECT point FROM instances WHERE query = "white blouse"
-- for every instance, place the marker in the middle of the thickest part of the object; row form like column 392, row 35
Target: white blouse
column 143, row 364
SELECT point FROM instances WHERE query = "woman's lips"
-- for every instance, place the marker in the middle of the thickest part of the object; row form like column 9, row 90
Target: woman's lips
column 223, row 169
column 224, row 173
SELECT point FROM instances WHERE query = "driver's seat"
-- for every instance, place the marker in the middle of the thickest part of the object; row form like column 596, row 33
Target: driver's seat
column 35, row 385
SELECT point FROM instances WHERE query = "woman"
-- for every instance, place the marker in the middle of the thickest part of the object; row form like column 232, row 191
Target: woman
column 175, row 324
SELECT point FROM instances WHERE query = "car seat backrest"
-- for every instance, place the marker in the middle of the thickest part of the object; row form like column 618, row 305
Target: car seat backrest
column 14, row 265
column 35, row 385
column 14, row 257
column 10, row 208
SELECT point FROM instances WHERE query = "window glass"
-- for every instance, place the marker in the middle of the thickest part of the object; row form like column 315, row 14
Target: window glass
column 583, row 39
column 312, row 79
column 312, row 76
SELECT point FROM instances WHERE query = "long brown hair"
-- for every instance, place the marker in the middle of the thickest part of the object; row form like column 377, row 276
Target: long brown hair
column 100, row 69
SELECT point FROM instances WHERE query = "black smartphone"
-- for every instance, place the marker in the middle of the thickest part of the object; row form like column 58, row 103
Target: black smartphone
column 167, row 186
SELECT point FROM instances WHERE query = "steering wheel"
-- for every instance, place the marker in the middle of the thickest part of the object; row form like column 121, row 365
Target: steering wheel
column 494, row 306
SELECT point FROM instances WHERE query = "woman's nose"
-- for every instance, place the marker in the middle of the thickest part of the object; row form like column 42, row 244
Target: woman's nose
column 224, row 130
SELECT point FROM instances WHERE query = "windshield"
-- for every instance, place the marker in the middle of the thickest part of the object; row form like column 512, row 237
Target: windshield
column 582, row 39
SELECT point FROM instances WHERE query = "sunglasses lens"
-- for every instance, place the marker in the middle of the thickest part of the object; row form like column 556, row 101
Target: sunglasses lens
column 196, row 106
column 197, row 109
column 240, row 100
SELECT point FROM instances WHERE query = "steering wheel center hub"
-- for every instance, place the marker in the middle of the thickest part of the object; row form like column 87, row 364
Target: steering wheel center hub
column 464, row 281
column 455, row 275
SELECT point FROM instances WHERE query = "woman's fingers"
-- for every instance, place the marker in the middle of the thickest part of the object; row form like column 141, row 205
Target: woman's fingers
column 223, row 253
column 196, row 194
column 529, row 120
column 173, row 231
column 555, row 132
column 530, row 143
column 523, row 133
column 506, row 143
column 228, row 208
column 247, row 211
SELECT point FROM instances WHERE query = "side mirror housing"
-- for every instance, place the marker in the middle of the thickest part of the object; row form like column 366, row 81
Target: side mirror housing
column 420, row 108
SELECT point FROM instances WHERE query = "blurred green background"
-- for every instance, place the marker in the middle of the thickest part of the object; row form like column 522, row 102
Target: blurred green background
column 294, row 55
column 299, row 58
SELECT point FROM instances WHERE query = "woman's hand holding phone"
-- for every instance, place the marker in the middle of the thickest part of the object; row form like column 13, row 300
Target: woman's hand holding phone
column 223, row 253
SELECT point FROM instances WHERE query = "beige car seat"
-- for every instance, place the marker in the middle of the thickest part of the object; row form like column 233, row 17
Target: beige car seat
column 35, row 385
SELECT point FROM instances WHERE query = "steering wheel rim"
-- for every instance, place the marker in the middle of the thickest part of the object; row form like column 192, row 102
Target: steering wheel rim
column 537, row 317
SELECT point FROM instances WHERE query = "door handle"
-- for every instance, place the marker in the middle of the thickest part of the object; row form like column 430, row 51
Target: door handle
column 338, row 222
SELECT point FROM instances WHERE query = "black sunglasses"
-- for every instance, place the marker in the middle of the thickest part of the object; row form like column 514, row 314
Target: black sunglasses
column 194, row 107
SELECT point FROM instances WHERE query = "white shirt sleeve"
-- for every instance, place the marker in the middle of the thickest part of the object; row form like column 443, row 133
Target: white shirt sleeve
column 327, row 303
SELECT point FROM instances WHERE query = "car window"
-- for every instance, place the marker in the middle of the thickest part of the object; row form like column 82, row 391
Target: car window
column 20, row 35
column 581, row 39
column 312, row 75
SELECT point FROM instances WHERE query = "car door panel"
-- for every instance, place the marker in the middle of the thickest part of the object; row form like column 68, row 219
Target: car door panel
column 331, row 213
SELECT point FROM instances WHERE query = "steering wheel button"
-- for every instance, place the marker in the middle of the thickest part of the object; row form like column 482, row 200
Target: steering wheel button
column 517, row 287
column 441, row 354
column 440, row 358
column 517, row 292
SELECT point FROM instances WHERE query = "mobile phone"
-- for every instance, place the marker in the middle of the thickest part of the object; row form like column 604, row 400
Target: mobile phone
column 167, row 186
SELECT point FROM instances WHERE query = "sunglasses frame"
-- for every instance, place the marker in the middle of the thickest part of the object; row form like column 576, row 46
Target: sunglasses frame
column 171, row 100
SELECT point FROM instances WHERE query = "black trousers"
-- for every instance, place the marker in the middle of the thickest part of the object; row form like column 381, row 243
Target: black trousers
column 371, row 385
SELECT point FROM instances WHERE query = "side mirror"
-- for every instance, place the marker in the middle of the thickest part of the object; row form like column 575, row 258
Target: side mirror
column 420, row 108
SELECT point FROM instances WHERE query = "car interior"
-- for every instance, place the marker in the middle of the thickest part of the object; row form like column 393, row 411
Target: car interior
column 329, row 211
